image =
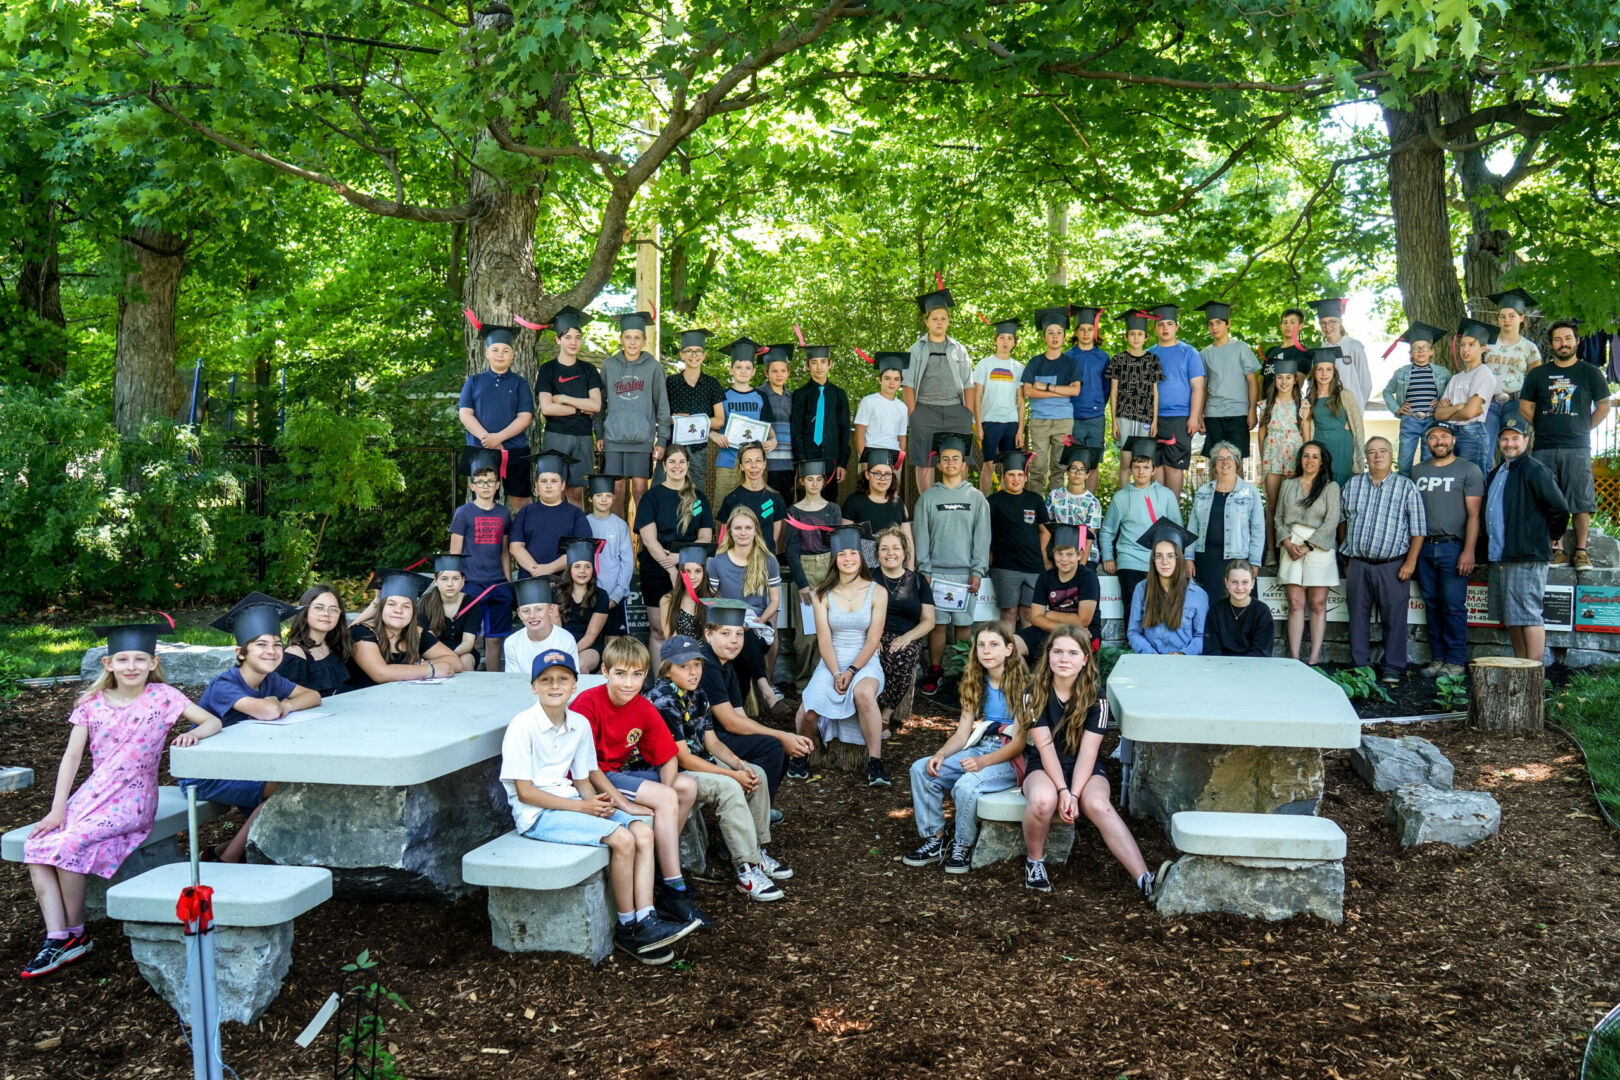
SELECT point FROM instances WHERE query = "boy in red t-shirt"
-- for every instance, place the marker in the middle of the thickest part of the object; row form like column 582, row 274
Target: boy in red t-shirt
column 638, row 765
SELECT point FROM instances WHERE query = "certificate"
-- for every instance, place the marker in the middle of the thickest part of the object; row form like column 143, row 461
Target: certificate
column 950, row 595
column 691, row 430
column 740, row 429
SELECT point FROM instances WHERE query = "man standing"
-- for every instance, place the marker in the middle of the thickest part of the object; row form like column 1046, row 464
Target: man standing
column 1524, row 512
column 1181, row 398
column 952, row 531
column 938, row 375
column 1090, row 362
column 1051, row 383
column 1232, row 372
column 570, row 395
column 1384, row 529
column 1354, row 370
column 1452, row 491
column 1565, row 399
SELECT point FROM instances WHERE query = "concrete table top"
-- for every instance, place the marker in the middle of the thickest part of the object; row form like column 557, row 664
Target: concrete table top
column 245, row 894
column 170, row 820
column 1257, row 836
column 389, row 735
column 1230, row 701
column 514, row 861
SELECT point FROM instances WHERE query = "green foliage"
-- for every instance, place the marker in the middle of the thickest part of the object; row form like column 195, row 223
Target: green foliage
column 366, row 1037
column 1107, row 657
column 337, row 463
column 1452, row 692
column 1602, row 1058
column 1359, row 684
column 12, row 672
column 1586, row 708
column 954, row 662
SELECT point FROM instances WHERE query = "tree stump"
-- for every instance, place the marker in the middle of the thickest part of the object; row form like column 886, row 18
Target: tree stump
column 840, row 757
column 1506, row 693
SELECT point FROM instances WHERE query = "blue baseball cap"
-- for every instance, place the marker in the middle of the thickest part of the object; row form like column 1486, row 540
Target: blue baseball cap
column 680, row 649
column 552, row 658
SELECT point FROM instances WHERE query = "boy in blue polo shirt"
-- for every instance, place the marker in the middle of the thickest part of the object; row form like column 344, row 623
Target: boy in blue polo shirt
column 1091, row 362
column 1181, row 398
column 1051, row 383
column 497, row 406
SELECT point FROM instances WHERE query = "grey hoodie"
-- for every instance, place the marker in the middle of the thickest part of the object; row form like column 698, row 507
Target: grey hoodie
column 952, row 529
column 635, row 405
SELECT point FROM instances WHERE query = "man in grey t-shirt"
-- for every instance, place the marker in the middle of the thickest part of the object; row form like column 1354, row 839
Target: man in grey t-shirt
column 1231, row 382
column 1452, row 490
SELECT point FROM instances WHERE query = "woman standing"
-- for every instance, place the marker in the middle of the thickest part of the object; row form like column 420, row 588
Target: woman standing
column 318, row 643
column 672, row 514
column 877, row 502
column 909, row 621
column 744, row 570
column 1334, row 419
column 1229, row 521
column 849, row 612
column 1168, row 609
column 1307, row 520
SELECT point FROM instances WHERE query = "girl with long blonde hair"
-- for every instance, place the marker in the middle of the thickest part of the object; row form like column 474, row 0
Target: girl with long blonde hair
column 744, row 570
column 671, row 515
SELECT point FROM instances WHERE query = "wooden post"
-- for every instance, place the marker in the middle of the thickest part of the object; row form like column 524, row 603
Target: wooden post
column 648, row 278
column 1506, row 693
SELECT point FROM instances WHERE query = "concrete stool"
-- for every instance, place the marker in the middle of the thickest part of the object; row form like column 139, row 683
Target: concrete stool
column 544, row 897
column 1001, row 831
column 159, row 849
column 254, row 909
column 1263, row 866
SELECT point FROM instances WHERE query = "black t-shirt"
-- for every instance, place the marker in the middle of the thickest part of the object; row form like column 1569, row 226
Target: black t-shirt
column 326, row 676
column 766, row 504
column 662, row 506
column 720, row 682
column 688, row 400
column 576, row 619
column 574, row 380
column 861, row 507
column 359, row 632
column 1564, row 397
column 1215, row 529
column 1233, row 631
column 1065, row 597
column 907, row 595
column 460, row 623
column 1052, row 719
column 1015, row 537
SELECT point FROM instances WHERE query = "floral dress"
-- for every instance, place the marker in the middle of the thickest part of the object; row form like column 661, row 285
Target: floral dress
column 1283, row 439
column 111, row 813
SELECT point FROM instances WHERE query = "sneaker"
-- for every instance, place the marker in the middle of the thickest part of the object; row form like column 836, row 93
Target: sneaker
column 777, row 816
column 798, row 768
column 773, row 869
column 875, row 776
column 1582, row 561
column 1434, row 669
column 55, row 953
column 929, row 683
column 1155, row 884
column 1454, row 669
column 957, row 862
column 929, row 852
column 656, row 932
column 1035, row 876
column 627, row 936
column 1561, row 558
column 680, row 906
column 1390, row 678
column 753, row 883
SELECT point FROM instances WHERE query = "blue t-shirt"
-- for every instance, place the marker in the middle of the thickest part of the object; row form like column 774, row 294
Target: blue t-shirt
column 483, row 538
column 996, row 711
column 1093, row 399
column 539, row 527
column 228, row 688
column 496, row 401
column 1059, row 372
column 1181, row 363
column 751, row 404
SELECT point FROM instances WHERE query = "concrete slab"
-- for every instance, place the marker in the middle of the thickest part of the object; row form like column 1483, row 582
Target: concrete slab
column 514, row 861
column 1257, row 836
column 16, row 778
column 1002, row 806
column 1230, row 701
column 171, row 819
column 245, row 894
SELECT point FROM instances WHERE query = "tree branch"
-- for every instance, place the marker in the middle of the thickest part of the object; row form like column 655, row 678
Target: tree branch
column 503, row 138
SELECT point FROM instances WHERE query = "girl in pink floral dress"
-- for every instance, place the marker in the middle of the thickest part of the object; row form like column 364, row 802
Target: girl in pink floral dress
column 125, row 719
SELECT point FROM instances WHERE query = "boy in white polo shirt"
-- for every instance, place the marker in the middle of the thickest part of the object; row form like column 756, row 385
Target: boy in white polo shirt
column 537, row 611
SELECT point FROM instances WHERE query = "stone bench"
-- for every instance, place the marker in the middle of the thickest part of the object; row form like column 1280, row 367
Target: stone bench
column 1262, row 866
column 254, row 909
column 544, row 897
column 1001, row 831
column 158, row 850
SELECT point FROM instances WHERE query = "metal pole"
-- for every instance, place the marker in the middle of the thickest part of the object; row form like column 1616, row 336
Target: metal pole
column 196, row 385
column 201, row 993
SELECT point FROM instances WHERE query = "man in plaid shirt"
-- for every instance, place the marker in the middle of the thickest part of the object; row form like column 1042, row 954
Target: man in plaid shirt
column 1384, row 529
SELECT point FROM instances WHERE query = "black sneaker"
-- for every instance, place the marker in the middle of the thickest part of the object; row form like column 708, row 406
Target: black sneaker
column 680, row 906
column 1035, row 876
column 628, row 936
column 656, row 932
column 875, row 776
column 927, row 854
column 929, row 683
column 798, row 768
column 56, row 953
column 957, row 861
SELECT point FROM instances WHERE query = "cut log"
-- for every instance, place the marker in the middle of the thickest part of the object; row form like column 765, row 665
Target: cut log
column 1506, row 693
column 839, row 757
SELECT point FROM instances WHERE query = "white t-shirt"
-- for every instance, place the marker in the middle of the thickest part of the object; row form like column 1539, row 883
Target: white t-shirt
column 1480, row 383
column 1510, row 363
column 520, row 650
column 998, row 382
column 544, row 754
column 885, row 420
column 1354, row 370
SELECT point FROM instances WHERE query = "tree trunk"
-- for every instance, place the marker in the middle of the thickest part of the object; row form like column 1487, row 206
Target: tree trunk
column 501, row 280
column 1057, row 247
column 145, row 384
column 1506, row 694
column 1424, row 267
column 39, row 276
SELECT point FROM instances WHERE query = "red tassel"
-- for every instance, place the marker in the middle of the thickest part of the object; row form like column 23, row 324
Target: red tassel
column 167, row 618
column 467, row 311
column 521, row 321
column 654, row 311
column 939, row 280
column 800, row 335
column 1391, row 348
column 1295, row 341
column 982, row 319
column 1068, row 440
column 865, row 356
column 1096, row 320
column 418, row 562
column 761, row 350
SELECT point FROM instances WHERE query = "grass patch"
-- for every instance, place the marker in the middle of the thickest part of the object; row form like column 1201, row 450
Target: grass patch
column 1603, row 1053
column 40, row 650
column 1587, row 708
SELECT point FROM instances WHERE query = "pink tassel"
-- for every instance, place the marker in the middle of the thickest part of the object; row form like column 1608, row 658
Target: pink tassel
column 167, row 618
column 467, row 311
column 799, row 334
column 521, row 321
column 1391, row 348
column 865, row 356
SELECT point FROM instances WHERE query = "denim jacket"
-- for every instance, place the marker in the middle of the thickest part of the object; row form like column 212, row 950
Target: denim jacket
column 1245, row 522
column 1395, row 392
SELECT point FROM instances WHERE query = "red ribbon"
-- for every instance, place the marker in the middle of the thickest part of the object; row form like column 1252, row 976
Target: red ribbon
column 982, row 319
column 939, row 281
column 654, row 311
column 864, row 355
column 521, row 321
column 418, row 562
column 467, row 311
column 196, row 908
column 799, row 334
column 503, row 463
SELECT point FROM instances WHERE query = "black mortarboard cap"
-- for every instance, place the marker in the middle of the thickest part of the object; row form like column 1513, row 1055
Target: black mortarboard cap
column 844, row 538
column 1065, row 536
column 939, row 298
column 1284, row 365
column 1007, row 326
column 1135, row 319
column 1422, row 331
column 597, row 484
column 1017, row 460
column 1517, row 299
column 811, row 352
column 579, row 548
column 133, row 637
column 1085, row 313
column 1169, row 312
column 1215, row 309
column 953, row 440
column 891, row 361
column 727, row 613
column 1296, row 356
column 568, row 318
column 744, row 348
column 553, row 461
column 881, row 455
column 255, row 615
column 784, row 351
column 1142, row 446
column 390, row 582
column 445, row 562
column 816, row 467
column 498, row 335
column 1326, row 354
column 1051, row 316
column 694, row 339
column 1086, row 455
column 482, row 459
column 1330, row 307
column 635, row 320
column 532, row 590
column 1484, row 333
column 696, row 553
column 1165, row 529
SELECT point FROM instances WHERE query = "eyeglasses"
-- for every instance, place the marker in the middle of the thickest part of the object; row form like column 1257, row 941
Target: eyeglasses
column 485, row 483
column 326, row 609
column 1167, row 556
column 884, row 473
column 1225, row 459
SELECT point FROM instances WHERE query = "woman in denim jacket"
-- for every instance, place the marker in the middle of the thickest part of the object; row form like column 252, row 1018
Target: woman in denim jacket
column 1239, row 532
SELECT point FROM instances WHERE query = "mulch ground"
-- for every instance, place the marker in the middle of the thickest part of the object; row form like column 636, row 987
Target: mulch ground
column 1489, row 963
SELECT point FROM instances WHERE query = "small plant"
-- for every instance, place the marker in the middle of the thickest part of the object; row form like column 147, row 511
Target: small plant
column 12, row 672
column 1452, row 692
column 1360, row 684
column 360, row 1052
column 1602, row 1058
column 956, row 658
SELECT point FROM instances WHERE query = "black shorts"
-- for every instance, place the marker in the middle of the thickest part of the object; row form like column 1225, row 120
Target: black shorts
column 1231, row 429
column 1175, row 445
column 518, row 479
column 655, row 582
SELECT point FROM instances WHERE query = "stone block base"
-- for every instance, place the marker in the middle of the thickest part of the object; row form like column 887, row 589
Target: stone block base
column 249, row 964
column 577, row 920
column 1167, row 778
column 1269, row 889
column 385, row 843
column 1002, row 840
column 1424, row 815
column 16, row 777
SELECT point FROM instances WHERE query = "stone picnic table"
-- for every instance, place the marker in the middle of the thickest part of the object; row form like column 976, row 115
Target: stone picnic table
column 387, row 787
column 1226, row 733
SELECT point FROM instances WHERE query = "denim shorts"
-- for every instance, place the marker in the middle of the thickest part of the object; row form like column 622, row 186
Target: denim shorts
column 630, row 782
column 244, row 795
column 572, row 827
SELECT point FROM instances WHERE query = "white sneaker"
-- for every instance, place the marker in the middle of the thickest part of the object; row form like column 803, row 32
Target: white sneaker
column 752, row 882
column 773, row 869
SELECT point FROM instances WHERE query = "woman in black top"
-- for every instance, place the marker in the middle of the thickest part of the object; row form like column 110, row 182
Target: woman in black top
column 582, row 605
column 448, row 612
column 671, row 515
column 877, row 500
column 907, row 622
column 318, row 643
column 753, row 492
column 1238, row 624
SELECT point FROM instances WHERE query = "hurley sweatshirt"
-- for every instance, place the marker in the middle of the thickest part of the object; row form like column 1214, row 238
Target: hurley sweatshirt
column 951, row 526
column 635, row 405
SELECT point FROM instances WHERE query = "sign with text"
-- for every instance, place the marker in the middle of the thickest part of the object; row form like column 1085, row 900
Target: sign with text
column 1597, row 608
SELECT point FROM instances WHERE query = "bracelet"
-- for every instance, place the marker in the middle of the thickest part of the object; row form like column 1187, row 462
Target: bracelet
column 433, row 672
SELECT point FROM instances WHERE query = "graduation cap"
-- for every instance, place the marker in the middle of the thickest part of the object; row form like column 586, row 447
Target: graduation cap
column 580, row 548
column 1331, row 307
column 1214, row 309
column 597, row 484
column 1084, row 313
column 1326, row 354
column 1065, row 536
column 1052, row 316
column 1517, row 299
column 1166, row 312
column 891, row 361
column 389, row 582
column 811, row 352
column 569, row 318
column 482, row 460
column 1007, row 326
column 553, row 461
column 784, row 352
column 880, row 455
column 254, row 616
column 1142, row 446
column 532, row 590
column 134, row 637
column 1484, row 333
column 1417, row 331
column 1016, row 460
column 636, row 320
column 497, row 335
column 952, row 440
column 1165, row 529
column 695, row 339
column 1284, row 365
column 727, row 613
column 445, row 562
column 844, row 538
column 939, row 298
column 696, row 553
column 1286, row 358
column 815, row 468
column 1085, row 455
column 1135, row 319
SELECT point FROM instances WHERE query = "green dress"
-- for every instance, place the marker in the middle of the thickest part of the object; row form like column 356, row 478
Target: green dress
column 1334, row 433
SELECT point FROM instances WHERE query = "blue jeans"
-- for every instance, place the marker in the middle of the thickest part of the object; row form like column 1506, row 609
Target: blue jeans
column 1473, row 446
column 1494, row 412
column 1412, row 429
column 1445, row 595
column 928, row 792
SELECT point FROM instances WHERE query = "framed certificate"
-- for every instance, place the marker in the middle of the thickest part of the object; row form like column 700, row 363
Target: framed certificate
column 691, row 430
column 741, row 429
column 951, row 595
